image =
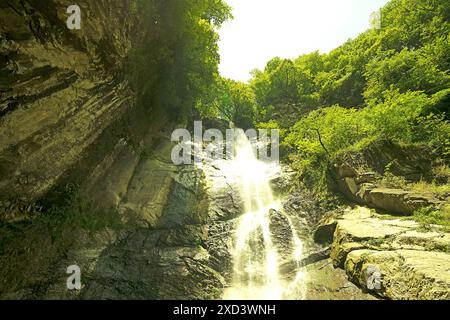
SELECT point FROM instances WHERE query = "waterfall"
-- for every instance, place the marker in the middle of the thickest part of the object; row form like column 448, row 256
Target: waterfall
column 256, row 259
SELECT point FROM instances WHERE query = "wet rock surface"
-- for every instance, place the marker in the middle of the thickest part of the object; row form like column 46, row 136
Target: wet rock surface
column 324, row 282
column 174, row 243
column 178, row 238
column 181, row 250
column 65, row 115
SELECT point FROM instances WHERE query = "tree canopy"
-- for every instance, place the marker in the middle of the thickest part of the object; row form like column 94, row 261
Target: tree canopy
column 178, row 58
column 388, row 83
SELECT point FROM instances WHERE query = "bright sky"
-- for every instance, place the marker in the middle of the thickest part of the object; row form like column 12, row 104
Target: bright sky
column 263, row 29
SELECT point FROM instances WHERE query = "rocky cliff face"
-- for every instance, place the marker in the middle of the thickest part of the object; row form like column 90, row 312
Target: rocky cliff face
column 411, row 262
column 69, row 116
column 384, row 250
column 67, row 112
column 357, row 175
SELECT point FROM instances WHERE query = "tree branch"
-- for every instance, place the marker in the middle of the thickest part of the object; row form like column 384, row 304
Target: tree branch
column 320, row 140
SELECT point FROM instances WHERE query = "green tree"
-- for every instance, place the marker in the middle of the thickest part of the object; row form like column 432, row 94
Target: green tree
column 237, row 103
column 177, row 59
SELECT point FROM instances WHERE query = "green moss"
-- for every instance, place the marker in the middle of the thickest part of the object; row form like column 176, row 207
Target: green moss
column 375, row 242
column 85, row 216
column 390, row 180
column 30, row 248
column 133, row 7
column 429, row 216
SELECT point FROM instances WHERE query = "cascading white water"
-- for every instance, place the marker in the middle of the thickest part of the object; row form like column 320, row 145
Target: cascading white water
column 255, row 258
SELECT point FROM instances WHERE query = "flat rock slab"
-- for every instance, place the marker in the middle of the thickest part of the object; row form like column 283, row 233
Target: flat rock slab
column 414, row 263
column 324, row 282
column 404, row 274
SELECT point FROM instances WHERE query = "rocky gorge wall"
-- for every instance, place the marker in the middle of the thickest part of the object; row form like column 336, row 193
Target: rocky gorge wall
column 378, row 236
column 358, row 176
column 68, row 113
column 71, row 117
column 410, row 262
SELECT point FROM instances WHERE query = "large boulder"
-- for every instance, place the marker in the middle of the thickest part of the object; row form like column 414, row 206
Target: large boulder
column 355, row 174
column 412, row 263
column 362, row 190
column 398, row 201
column 403, row 274
column 325, row 230
column 412, row 162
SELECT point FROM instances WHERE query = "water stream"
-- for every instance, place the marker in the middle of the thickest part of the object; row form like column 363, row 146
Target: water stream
column 256, row 259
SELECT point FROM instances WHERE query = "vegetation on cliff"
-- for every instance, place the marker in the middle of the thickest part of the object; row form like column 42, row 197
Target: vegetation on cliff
column 177, row 60
column 75, row 109
column 387, row 84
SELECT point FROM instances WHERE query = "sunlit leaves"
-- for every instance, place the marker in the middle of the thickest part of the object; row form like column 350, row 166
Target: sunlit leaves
column 406, row 71
column 177, row 60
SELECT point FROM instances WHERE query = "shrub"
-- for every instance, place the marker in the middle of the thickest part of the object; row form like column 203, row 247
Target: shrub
column 428, row 216
column 402, row 118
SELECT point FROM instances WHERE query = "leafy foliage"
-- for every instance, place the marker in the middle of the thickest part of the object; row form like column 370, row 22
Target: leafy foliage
column 236, row 103
column 177, row 59
column 392, row 83
column 429, row 216
column 405, row 71
column 409, row 53
column 401, row 118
